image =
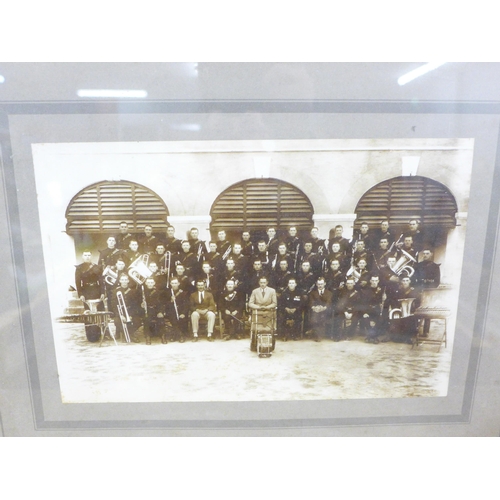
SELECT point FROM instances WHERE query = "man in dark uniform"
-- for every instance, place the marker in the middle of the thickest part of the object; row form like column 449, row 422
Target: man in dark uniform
column 223, row 246
column 198, row 246
column 416, row 233
column 318, row 245
column 188, row 259
column 254, row 276
column 362, row 253
column 232, row 306
column 306, row 278
column 148, row 241
column 262, row 254
column 383, row 232
column 382, row 253
column 186, row 282
column 404, row 329
column 293, row 246
column 314, row 259
column 124, row 237
column 281, row 255
column 132, row 253
column 280, row 277
column 348, row 307
column 335, row 282
column 177, row 311
column 363, row 234
column 371, row 307
column 337, row 254
column 320, row 310
column 241, row 262
column 427, row 275
column 172, row 244
column 290, row 307
column 132, row 302
column 337, row 237
column 247, row 247
column 154, row 312
column 271, row 243
column 88, row 279
column 108, row 256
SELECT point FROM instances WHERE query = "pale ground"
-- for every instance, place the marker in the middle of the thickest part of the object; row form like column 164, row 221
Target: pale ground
column 229, row 371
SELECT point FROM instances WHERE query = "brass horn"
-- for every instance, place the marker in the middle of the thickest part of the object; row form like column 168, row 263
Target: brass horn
column 110, row 276
column 404, row 311
column 139, row 270
column 402, row 264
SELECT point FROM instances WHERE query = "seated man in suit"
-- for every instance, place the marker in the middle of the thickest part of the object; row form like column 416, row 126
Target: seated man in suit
column 320, row 309
column 202, row 305
column 263, row 301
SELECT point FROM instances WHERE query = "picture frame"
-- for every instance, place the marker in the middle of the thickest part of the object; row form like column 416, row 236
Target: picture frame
column 29, row 363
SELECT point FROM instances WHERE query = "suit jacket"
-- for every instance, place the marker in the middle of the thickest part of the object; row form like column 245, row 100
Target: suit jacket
column 269, row 298
column 207, row 303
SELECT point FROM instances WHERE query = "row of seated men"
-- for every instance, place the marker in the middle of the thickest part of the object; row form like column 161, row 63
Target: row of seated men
column 172, row 293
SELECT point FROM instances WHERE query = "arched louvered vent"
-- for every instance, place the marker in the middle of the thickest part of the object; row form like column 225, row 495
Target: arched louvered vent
column 257, row 203
column 100, row 208
column 402, row 198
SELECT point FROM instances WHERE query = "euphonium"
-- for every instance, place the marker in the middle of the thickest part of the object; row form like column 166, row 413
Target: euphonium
column 405, row 310
column 110, row 276
column 139, row 270
column 402, row 264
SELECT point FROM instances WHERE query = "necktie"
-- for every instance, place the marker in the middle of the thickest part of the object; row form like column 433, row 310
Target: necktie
column 201, row 297
column 263, row 293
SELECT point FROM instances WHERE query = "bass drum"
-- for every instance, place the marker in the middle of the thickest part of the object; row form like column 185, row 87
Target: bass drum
column 93, row 333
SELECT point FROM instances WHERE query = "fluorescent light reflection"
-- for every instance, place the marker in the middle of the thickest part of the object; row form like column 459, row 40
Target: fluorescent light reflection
column 422, row 70
column 111, row 93
column 193, row 127
column 2, row 79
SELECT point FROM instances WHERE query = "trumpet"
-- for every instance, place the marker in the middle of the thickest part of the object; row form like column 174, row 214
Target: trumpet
column 123, row 313
column 110, row 276
column 138, row 270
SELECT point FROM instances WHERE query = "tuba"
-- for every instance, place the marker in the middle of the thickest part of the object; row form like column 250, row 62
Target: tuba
column 110, row 276
column 404, row 311
column 139, row 271
column 402, row 264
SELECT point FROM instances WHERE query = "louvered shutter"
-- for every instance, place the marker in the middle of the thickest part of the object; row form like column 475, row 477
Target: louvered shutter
column 403, row 198
column 257, row 203
column 100, row 208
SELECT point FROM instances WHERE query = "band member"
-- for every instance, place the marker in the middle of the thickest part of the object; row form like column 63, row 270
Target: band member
column 108, row 256
column 337, row 254
column 320, row 310
column 247, row 247
column 281, row 277
column 281, row 255
column 177, row 311
column 362, row 253
column 383, row 231
column 314, row 259
column 223, row 246
column 88, row 279
column 188, row 259
column 382, row 253
column 363, row 234
column 119, row 268
column 124, row 237
column 232, row 274
column 241, row 261
column 293, row 246
column 319, row 246
column 336, row 236
column 202, row 305
column 427, row 275
column 290, row 307
column 306, row 278
column 389, row 281
column 404, row 329
column 160, row 279
column 232, row 306
column 209, row 278
column 172, row 244
column 262, row 254
column 198, row 246
column 416, row 233
column 132, row 253
column 148, row 241
column 255, row 275
column 410, row 249
column 361, row 275
column 214, row 258
column 272, row 242
column 335, row 282
column 348, row 309
column 371, row 309
column 154, row 313
column 131, row 304
column 185, row 281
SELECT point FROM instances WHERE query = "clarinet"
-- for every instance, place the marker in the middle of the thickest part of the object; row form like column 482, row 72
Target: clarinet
column 144, row 303
column 175, row 304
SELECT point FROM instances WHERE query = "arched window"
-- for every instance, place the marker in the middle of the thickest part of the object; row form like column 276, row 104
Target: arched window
column 403, row 198
column 100, row 207
column 255, row 204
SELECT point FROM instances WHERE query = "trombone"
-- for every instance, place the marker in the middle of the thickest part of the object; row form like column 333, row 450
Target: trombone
column 123, row 313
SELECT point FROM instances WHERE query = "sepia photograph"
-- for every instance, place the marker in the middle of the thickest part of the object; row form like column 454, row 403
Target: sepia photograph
column 253, row 270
